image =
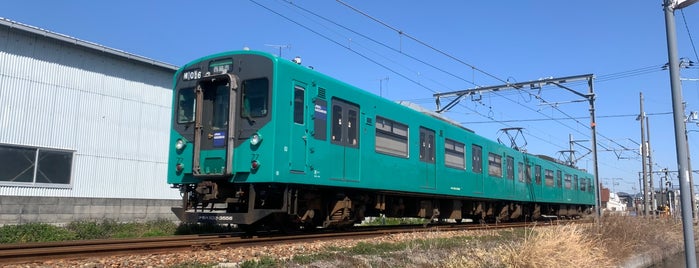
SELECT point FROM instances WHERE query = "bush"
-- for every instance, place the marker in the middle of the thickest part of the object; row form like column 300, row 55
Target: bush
column 34, row 232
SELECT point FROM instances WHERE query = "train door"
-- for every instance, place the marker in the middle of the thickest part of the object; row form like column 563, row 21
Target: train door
column 298, row 142
column 214, row 124
column 345, row 133
column 427, row 157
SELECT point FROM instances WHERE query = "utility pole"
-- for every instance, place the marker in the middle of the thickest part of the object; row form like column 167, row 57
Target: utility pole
column 669, row 7
column 644, row 176
column 649, row 153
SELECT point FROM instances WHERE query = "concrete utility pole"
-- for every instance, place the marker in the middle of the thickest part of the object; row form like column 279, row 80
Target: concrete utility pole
column 669, row 7
column 644, row 176
column 649, row 153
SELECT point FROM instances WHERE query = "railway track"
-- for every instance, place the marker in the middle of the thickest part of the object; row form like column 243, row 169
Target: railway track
column 36, row 252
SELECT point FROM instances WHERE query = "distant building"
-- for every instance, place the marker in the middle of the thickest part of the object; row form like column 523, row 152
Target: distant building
column 84, row 130
column 611, row 203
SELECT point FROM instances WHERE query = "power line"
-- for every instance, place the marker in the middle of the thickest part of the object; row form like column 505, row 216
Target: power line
column 690, row 35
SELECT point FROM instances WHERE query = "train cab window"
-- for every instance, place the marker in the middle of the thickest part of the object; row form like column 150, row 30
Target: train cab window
column 520, row 171
column 454, row 154
column 537, row 174
column 548, row 177
column 186, row 105
column 567, row 181
column 495, row 165
column 345, row 119
column 255, row 98
column 391, row 137
column 476, row 158
column 299, row 105
column 510, row 163
column 426, row 145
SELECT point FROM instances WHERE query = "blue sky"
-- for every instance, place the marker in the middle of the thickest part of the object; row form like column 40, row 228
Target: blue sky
column 471, row 43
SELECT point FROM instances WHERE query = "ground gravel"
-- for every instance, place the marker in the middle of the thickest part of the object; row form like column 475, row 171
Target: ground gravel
column 233, row 257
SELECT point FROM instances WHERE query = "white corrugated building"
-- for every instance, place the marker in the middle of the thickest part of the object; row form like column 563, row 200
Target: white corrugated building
column 84, row 130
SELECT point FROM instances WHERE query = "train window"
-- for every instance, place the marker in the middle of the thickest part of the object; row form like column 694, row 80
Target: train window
column 575, row 182
column 477, row 163
column 426, row 145
column 299, row 105
column 537, row 174
column 320, row 119
column 391, row 137
column 337, row 123
column 520, row 171
column 548, row 177
column 590, row 186
column 186, row 103
column 567, row 181
column 219, row 99
column 255, row 98
column 454, row 154
column 559, row 179
column 345, row 119
column 495, row 165
column 528, row 174
column 583, row 184
column 510, row 163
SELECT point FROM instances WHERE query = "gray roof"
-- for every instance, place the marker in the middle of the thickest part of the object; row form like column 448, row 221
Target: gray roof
column 89, row 45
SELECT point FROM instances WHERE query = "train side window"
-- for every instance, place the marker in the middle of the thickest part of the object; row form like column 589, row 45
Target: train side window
column 320, row 119
column 583, row 184
column 476, row 159
column 454, row 154
column 495, row 165
column 575, row 182
column 537, row 174
column 345, row 127
column 510, row 163
column 426, row 145
column 548, row 177
column 567, row 181
column 299, row 104
column 186, row 103
column 528, row 174
column 391, row 137
column 337, row 123
column 559, row 179
column 520, row 171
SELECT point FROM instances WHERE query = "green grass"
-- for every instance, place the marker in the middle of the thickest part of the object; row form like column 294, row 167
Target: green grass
column 83, row 230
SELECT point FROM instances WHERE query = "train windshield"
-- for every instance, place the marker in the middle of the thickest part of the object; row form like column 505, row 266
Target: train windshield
column 186, row 105
column 218, row 115
column 255, row 98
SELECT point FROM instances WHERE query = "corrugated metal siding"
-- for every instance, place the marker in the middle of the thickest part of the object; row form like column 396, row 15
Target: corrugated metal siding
column 114, row 113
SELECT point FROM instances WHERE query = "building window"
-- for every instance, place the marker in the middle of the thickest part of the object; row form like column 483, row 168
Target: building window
column 35, row 166
column 391, row 137
column 548, row 177
column 454, row 154
column 495, row 165
column 477, row 157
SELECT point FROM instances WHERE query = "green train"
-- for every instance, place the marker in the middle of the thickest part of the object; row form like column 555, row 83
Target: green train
column 258, row 140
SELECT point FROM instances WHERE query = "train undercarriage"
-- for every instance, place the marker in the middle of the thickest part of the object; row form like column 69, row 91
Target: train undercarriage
column 296, row 207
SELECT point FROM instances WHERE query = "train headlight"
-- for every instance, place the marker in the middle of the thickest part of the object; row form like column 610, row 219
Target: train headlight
column 180, row 144
column 255, row 139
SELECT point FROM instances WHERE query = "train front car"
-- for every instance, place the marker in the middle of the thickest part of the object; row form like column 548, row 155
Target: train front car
column 222, row 110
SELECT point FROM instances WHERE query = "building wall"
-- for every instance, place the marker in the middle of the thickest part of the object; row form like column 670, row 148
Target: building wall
column 110, row 110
